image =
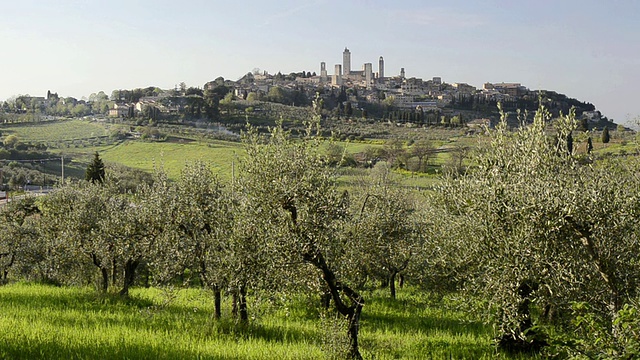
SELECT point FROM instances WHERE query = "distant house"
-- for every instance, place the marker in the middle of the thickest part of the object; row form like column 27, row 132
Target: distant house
column 119, row 110
column 464, row 88
column 479, row 124
column 511, row 89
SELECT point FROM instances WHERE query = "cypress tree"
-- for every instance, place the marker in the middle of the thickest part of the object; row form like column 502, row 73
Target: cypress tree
column 95, row 170
column 570, row 144
column 605, row 135
column 589, row 145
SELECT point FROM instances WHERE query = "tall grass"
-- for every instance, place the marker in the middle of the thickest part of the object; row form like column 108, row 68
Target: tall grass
column 45, row 322
column 42, row 322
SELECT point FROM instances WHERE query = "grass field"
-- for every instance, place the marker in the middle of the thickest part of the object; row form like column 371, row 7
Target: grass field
column 52, row 132
column 45, row 322
column 221, row 155
column 173, row 155
column 79, row 139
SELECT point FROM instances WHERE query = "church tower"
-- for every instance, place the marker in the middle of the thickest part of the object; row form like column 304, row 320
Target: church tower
column 381, row 68
column 346, row 62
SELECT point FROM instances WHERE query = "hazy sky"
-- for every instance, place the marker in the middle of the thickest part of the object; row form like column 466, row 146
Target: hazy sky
column 587, row 49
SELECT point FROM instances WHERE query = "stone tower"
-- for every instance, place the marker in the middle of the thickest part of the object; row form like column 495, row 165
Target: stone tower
column 346, row 62
column 402, row 73
column 381, row 68
column 337, row 76
column 368, row 74
column 323, row 72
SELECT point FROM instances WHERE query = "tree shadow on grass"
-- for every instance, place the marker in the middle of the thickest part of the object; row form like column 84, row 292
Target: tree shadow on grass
column 436, row 331
column 269, row 333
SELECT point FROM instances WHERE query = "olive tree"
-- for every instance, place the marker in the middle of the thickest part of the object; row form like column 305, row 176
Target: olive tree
column 544, row 227
column 291, row 193
column 196, row 235
column 423, row 150
column 17, row 232
column 502, row 201
column 139, row 225
column 385, row 226
column 72, row 219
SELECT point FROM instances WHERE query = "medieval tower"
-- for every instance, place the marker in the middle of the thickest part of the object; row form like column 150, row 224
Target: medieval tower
column 337, row 76
column 368, row 74
column 323, row 71
column 346, row 62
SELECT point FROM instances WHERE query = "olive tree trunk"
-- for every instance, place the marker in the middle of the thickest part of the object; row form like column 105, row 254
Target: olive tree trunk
column 351, row 312
column 129, row 275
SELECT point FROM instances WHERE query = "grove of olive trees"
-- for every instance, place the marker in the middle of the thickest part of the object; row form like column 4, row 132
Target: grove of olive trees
column 546, row 238
column 547, row 230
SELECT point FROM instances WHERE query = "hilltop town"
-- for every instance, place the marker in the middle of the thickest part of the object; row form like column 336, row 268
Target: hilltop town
column 346, row 93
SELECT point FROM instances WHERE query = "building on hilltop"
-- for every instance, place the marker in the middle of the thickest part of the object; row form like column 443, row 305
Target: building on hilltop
column 119, row 110
column 511, row 89
column 346, row 62
column 464, row 88
column 323, row 72
column 364, row 77
column 368, row 75
column 336, row 80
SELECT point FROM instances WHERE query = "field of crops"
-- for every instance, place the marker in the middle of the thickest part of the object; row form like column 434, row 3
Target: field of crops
column 45, row 322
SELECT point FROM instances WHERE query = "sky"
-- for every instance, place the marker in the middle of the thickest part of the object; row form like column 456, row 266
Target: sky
column 586, row 49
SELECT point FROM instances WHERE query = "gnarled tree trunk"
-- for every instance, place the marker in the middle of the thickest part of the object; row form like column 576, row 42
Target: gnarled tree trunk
column 103, row 271
column 352, row 312
column 129, row 275
column 314, row 256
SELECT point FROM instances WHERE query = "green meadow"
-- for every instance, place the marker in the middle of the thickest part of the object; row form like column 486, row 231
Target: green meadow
column 79, row 139
column 52, row 132
column 171, row 156
column 46, row 322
